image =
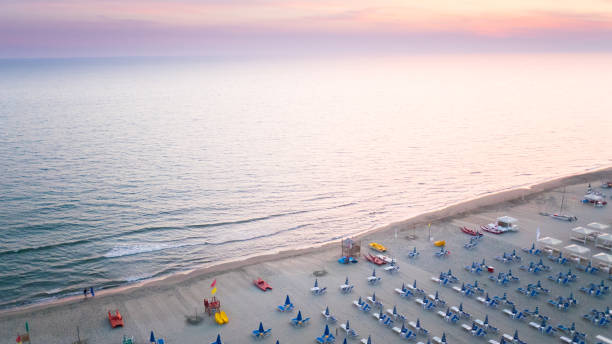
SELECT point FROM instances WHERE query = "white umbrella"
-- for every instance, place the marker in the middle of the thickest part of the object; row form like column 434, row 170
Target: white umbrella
column 550, row 241
column 577, row 249
column 598, row 226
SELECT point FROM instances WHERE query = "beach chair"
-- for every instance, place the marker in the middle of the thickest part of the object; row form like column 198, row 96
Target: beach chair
column 440, row 340
column 287, row 307
column 326, row 337
column 395, row 314
column 346, row 287
column 392, row 268
column 413, row 254
column 350, row 332
column 373, row 279
column 366, row 340
column 316, row 290
column 299, row 321
column 327, row 315
column 408, row 335
column 125, row 340
column 218, row 341
column 260, row 332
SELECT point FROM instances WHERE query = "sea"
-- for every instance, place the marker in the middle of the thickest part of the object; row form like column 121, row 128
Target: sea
column 119, row 170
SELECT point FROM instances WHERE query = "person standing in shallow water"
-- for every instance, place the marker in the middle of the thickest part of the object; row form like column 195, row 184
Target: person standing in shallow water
column 91, row 291
column 85, row 293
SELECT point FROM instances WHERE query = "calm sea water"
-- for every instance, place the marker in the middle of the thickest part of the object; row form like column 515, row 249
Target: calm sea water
column 119, row 170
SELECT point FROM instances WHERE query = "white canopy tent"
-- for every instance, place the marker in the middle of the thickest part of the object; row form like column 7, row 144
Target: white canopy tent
column 582, row 234
column 578, row 251
column 604, row 241
column 550, row 241
column 598, row 226
column 604, row 259
column 549, row 244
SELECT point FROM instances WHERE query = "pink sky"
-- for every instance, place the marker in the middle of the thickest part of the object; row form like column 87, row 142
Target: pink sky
column 175, row 27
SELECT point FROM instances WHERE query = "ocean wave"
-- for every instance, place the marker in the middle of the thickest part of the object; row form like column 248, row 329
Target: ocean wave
column 44, row 247
column 128, row 250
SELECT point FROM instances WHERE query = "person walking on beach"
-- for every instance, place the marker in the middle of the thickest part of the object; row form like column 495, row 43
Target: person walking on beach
column 91, row 291
column 85, row 293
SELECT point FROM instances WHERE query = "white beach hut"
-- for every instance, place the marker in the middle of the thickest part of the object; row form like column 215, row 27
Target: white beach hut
column 604, row 241
column 598, row 226
column 604, row 259
column 549, row 244
column 582, row 234
column 577, row 252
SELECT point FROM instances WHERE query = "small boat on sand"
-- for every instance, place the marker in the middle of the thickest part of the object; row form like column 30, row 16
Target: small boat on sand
column 261, row 284
column 373, row 259
column 470, row 231
column 491, row 229
column 115, row 319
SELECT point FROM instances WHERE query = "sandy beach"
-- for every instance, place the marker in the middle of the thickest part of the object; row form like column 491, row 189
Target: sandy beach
column 162, row 305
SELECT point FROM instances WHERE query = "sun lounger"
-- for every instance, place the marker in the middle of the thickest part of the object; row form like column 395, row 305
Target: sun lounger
column 350, row 332
column 603, row 339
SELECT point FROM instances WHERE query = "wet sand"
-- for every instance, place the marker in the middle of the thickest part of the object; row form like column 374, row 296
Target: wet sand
column 163, row 304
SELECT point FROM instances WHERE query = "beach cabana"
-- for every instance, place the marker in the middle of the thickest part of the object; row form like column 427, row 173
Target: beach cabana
column 598, row 226
column 604, row 241
column 549, row 244
column 604, row 259
column 582, row 234
column 577, row 252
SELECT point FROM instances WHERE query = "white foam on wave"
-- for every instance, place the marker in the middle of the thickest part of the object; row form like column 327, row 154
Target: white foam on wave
column 127, row 250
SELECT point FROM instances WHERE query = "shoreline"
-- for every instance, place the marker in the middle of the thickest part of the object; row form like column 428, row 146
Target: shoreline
column 444, row 213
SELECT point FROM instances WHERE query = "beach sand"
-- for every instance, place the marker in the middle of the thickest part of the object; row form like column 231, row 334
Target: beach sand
column 162, row 305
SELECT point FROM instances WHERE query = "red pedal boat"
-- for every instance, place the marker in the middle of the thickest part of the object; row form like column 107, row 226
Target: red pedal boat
column 374, row 259
column 470, row 231
column 261, row 284
column 490, row 229
column 115, row 319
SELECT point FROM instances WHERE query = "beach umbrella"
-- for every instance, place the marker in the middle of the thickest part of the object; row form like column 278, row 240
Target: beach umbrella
column 261, row 328
column 515, row 337
column 443, row 337
column 299, row 316
column 360, row 301
column 27, row 326
column 394, row 310
column 414, row 284
column 461, row 307
column 369, row 339
column 346, row 281
column 436, row 296
column 287, row 300
column 277, row 342
column 403, row 327
column 344, row 342
column 326, row 332
column 347, row 325
column 218, row 341
column 418, row 324
column 152, row 338
column 316, row 285
column 326, row 310
column 373, row 272
column 374, row 297
column 486, row 322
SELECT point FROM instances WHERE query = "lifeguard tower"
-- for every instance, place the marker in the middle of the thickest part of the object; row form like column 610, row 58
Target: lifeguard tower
column 350, row 248
column 211, row 305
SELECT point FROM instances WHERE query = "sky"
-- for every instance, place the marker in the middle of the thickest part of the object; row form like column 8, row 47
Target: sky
column 65, row 28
